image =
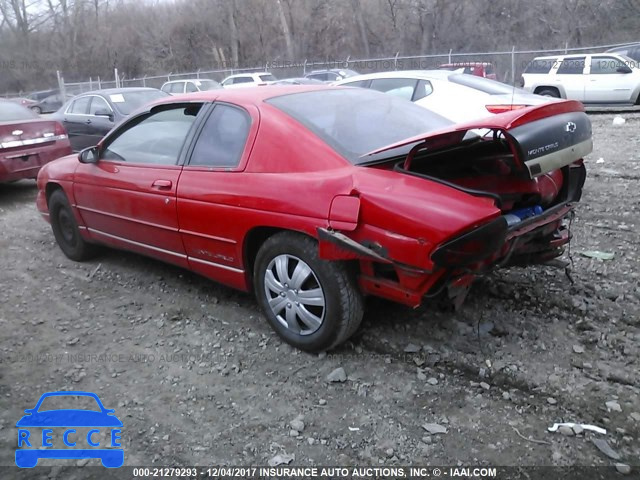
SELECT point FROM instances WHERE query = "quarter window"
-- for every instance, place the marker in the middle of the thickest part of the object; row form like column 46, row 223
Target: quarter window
column 423, row 89
column 572, row 66
column 541, row 65
column 157, row 139
column 222, row 139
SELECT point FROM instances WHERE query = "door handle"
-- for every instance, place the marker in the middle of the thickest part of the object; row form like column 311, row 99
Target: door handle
column 162, row 184
column 88, row 122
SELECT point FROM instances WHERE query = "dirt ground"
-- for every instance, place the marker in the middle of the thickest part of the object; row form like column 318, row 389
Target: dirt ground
column 198, row 378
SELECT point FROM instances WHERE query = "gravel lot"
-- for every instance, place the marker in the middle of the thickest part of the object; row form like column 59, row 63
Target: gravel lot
column 198, row 378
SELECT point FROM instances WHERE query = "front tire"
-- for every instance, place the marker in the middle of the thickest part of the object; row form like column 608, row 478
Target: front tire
column 312, row 304
column 65, row 229
column 36, row 110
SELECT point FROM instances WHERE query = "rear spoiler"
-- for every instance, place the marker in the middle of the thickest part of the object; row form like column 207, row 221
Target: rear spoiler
column 544, row 137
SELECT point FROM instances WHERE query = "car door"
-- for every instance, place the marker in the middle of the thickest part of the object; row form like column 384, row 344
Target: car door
column 606, row 84
column 101, row 120
column 75, row 122
column 208, row 193
column 128, row 197
column 571, row 76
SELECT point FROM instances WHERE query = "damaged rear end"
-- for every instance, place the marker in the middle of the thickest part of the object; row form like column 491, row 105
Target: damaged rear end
column 512, row 179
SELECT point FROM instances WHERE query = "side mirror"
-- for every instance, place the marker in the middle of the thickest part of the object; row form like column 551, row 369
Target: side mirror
column 623, row 69
column 88, row 155
column 103, row 112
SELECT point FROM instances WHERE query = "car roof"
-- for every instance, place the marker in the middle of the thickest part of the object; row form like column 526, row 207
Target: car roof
column 111, row 91
column 467, row 64
column 574, row 55
column 249, row 95
column 249, row 74
column 190, row 80
column 426, row 74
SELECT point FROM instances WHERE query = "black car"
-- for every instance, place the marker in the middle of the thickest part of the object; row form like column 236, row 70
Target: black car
column 50, row 104
column 89, row 116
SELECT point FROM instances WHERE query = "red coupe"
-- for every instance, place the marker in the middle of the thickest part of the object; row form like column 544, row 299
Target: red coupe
column 27, row 142
column 314, row 197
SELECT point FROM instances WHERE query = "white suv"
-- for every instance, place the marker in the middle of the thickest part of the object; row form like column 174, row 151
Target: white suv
column 589, row 78
column 248, row 80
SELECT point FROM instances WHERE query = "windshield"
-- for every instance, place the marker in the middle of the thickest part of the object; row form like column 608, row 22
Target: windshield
column 12, row 111
column 127, row 102
column 208, row 85
column 486, row 85
column 356, row 121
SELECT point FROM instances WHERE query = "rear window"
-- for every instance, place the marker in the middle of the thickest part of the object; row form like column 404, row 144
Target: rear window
column 485, row 85
column 356, row 121
column 12, row 111
column 541, row 65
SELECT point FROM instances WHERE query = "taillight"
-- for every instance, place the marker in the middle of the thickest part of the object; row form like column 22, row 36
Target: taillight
column 504, row 108
column 59, row 131
column 472, row 246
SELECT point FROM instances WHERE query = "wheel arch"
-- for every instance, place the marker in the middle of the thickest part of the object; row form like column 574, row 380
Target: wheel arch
column 561, row 93
column 50, row 188
column 254, row 239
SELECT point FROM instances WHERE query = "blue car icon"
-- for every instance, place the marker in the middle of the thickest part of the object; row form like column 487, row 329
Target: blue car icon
column 68, row 419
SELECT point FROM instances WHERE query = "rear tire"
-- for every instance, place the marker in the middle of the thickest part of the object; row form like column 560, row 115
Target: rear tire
column 312, row 304
column 37, row 110
column 549, row 92
column 65, row 229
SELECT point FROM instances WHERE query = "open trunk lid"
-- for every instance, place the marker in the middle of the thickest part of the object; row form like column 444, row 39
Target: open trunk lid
column 542, row 138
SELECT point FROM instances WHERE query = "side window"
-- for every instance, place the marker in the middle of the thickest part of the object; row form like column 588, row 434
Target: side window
column 223, row 137
column 191, row 87
column 229, row 81
column 98, row 104
column 401, row 87
column 166, row 88
column 572, row 66
column 605, row 65
column 318, row 76
column 177, row 87
column 332, row 76
column 80, row 106
column 157, row 139
column 243, row 79
column 357, row 83
column 423, row 89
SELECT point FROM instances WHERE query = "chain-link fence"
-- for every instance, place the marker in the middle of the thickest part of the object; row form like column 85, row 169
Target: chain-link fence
column 509, row 65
